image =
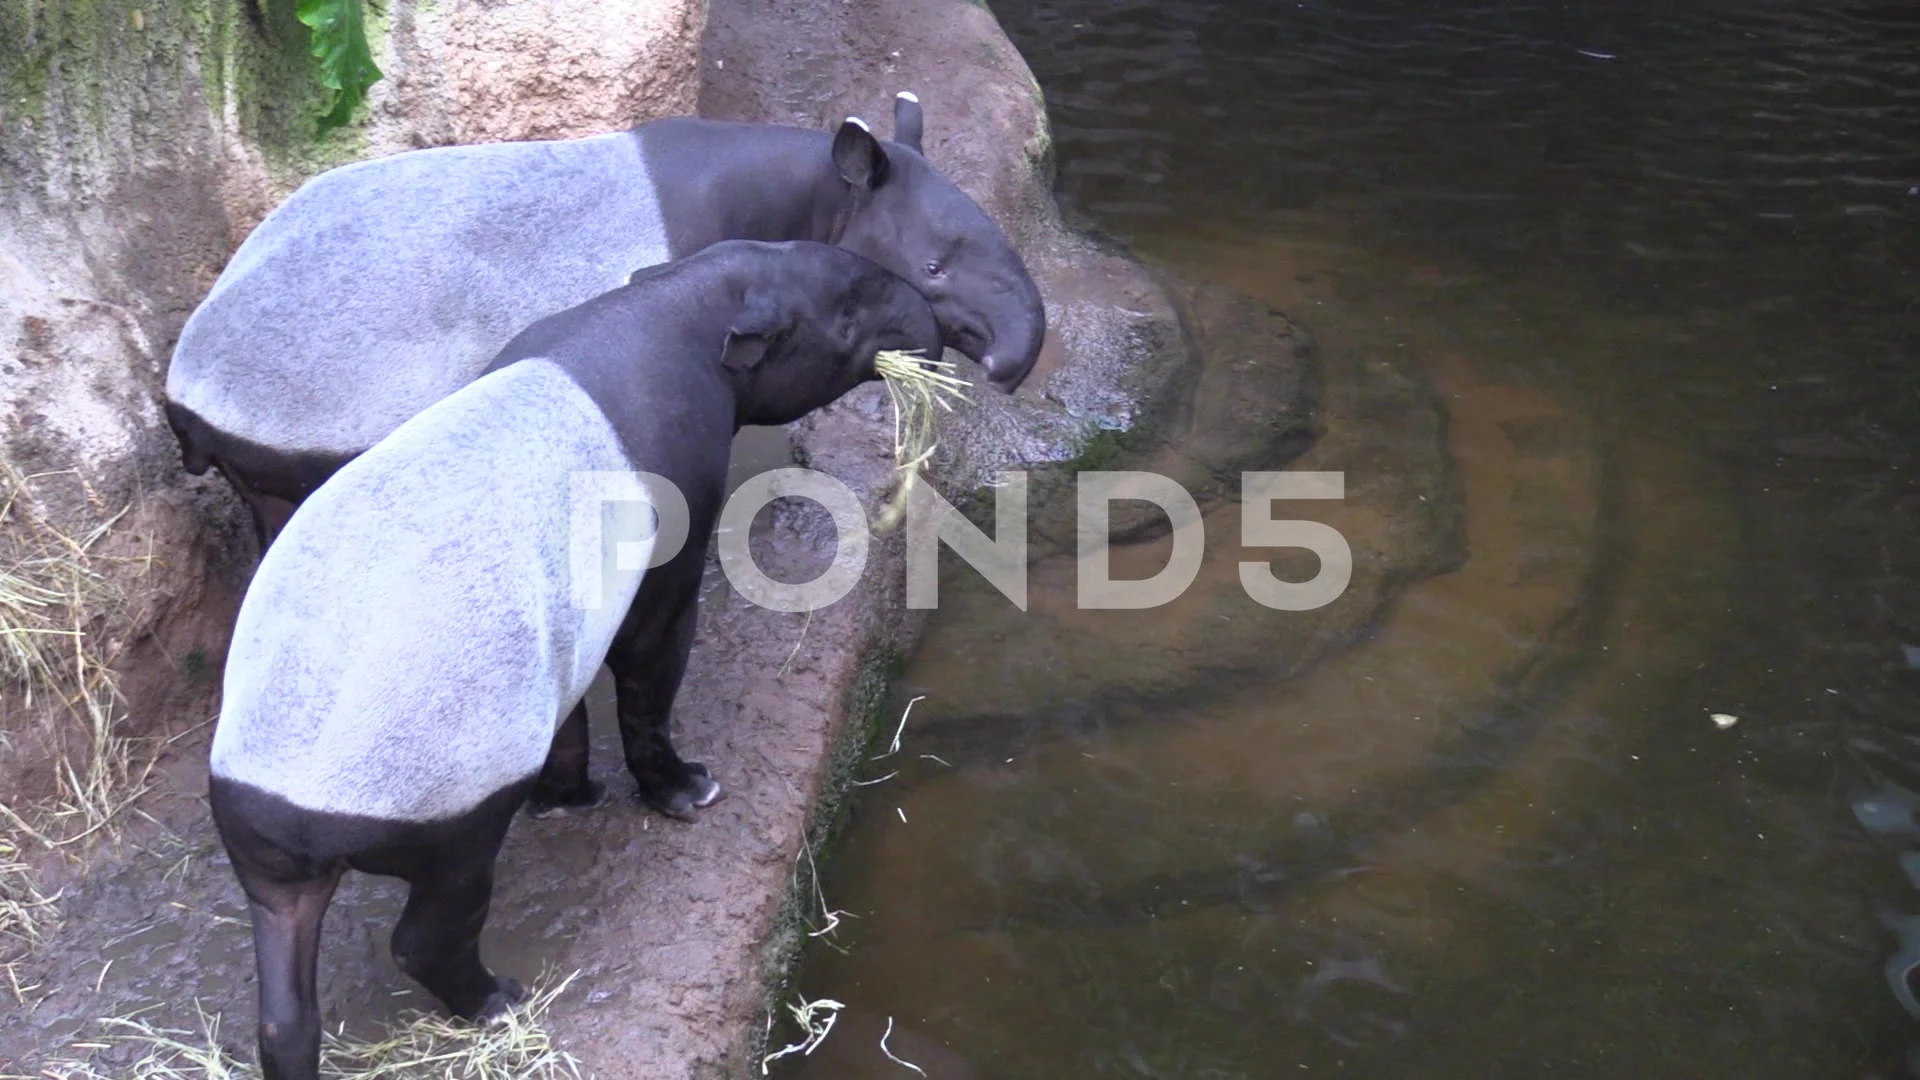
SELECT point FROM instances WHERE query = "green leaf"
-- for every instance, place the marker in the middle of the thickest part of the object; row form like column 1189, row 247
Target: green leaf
column 346, row 63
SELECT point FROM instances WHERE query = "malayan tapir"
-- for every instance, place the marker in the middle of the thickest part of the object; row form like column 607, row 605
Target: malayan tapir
column 410, row 660
column 380, row 287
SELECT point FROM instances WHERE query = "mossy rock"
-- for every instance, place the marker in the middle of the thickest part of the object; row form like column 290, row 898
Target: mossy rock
column 88, row 86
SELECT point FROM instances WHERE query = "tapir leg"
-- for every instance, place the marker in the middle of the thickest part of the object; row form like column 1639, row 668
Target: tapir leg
column 269, row 513
column 289, row 861
column 286, row 943
column 437, row 940
column 646, row 678
column 564, row 784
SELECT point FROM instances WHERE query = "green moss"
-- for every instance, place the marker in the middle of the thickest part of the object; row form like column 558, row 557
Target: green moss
column 216, row 45
column 23, row 69
column 865, row 707
column 42, row 40
column 1107, row 448
column 1040, row 149
column 78, row 71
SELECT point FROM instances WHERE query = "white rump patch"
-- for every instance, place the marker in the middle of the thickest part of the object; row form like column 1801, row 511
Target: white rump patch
column 382, row 286
column 410, row 643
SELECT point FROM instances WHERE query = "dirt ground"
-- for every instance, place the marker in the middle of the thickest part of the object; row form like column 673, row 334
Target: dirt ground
column 665, row 920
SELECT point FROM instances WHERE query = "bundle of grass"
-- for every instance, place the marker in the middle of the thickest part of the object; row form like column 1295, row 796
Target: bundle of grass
column 515, row 1047
column 420, row 1046
column 917, row 386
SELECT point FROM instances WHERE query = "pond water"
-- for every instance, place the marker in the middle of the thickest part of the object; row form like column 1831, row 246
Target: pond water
column 1657, row 268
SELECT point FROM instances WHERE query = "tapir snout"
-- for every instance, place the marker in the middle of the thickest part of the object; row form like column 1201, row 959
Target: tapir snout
column 1006, row 340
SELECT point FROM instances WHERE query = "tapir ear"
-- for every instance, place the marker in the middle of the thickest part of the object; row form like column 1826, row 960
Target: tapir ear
column 752, row 332
column 907, row 120
column 861, row 159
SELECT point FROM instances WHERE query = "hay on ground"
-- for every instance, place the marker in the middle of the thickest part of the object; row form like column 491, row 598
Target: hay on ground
column 420, row 1046
column 24, row 911
column 57, row 608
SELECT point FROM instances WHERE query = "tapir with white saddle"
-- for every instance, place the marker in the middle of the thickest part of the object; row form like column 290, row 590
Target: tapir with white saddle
column 410, row 660
column 382, row 286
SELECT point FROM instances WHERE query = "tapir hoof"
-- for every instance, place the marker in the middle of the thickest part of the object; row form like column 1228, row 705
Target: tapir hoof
column 699, row 791
column 591, row 797
column 506, row 994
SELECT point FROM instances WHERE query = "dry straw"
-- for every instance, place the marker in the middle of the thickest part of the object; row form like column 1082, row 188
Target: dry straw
column 917, row 386
column 24, row 910
column 815, row 1017
column 515, row 1047
column 55, row 605
column 421, row 1046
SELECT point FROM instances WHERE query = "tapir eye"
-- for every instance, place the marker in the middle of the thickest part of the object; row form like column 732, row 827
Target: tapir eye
column 934, row 269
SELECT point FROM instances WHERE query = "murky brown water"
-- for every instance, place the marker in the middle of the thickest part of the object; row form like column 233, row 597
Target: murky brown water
column 1658, row 266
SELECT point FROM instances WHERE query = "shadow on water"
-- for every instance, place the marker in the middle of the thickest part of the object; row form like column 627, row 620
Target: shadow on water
column 1617, row 310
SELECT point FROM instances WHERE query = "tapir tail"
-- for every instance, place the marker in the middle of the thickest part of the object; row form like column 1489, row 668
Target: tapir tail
column 191, row 431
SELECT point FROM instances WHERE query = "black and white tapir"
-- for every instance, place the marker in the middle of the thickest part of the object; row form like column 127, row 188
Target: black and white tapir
column 409, row 662
column 381, row 287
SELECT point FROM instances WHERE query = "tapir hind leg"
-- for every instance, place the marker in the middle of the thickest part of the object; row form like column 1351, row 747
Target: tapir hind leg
column 286, row 945
column 437, row 940
column 270, row 513
column 646, row 678
column 564, row 784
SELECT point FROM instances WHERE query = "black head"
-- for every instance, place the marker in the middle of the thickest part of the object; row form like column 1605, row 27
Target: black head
column 911, row 219
column 810, row 321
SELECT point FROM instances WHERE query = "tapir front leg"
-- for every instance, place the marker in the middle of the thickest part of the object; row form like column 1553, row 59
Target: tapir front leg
column 563, row 784
column 646, row 677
